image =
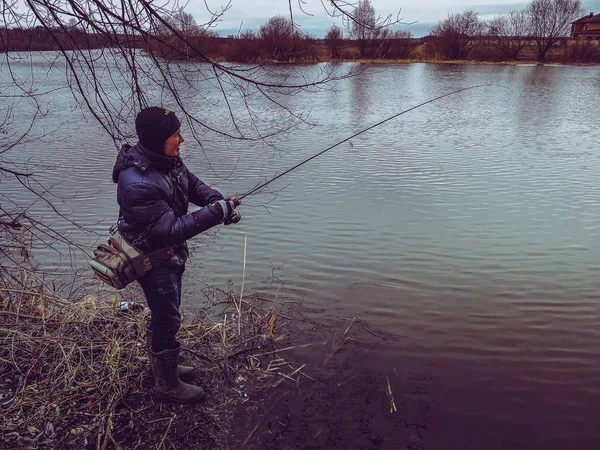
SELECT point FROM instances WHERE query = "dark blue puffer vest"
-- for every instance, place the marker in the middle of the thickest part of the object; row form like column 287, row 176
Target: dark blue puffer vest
column 154, row 193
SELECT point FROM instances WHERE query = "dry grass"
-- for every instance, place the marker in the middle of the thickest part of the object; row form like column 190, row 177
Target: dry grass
column 70, row 371
column 63, row 361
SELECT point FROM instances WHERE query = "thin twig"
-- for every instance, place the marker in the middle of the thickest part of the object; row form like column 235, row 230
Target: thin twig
column 242, row 288
column 268, row 414
column 350, row 326
column 162, row 441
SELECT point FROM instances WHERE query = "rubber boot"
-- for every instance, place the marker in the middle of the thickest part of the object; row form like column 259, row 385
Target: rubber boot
column 185, row 373
column 167, row 385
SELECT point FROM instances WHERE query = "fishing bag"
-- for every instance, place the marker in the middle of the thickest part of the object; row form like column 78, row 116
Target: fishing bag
column 119, row 263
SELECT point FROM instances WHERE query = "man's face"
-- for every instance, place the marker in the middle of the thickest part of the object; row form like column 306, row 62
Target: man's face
column 172, row 144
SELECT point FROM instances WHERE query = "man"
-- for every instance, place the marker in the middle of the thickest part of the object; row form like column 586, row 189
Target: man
column 154, row 189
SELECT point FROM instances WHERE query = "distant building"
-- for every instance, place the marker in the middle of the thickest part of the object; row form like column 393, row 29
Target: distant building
column 586, row 28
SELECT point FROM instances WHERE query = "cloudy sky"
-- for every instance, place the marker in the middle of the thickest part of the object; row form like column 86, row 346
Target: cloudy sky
column 250, row 14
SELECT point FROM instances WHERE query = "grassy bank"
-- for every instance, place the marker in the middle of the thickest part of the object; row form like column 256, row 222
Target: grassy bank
column 75, row 374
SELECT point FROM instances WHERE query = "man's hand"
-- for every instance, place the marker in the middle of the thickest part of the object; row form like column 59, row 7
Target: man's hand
column 226, row 207
column 235, row 216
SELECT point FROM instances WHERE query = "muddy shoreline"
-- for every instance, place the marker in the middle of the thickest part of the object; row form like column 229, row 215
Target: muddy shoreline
column 76, row 376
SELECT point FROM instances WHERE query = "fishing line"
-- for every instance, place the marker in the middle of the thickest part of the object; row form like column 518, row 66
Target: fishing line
column 252, row 191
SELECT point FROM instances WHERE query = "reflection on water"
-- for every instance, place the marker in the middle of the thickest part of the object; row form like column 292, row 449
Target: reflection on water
column 470, row 225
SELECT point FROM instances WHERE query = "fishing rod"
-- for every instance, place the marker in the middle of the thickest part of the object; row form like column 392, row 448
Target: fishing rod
column 261, row 186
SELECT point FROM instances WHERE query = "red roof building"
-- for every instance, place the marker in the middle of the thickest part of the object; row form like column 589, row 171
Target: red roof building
column 586, row 28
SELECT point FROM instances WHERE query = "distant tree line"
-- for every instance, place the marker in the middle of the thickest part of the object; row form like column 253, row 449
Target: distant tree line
column 530, row 34
column 543, row 24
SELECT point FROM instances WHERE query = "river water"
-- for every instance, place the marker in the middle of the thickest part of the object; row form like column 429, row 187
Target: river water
column 467, row 231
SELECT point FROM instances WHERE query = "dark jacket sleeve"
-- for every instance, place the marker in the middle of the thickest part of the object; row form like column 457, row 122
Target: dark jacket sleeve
column 148, row 208
column 200, row 194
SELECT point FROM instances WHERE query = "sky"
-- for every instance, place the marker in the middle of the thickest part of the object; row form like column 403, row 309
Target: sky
column 247, row 15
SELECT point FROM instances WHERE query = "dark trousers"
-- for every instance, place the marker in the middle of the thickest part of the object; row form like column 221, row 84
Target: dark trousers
column 162, row 288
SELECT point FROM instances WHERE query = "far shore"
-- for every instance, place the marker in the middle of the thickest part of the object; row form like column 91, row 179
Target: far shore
column 434, row 61
column 427, row 50
column 321, row 60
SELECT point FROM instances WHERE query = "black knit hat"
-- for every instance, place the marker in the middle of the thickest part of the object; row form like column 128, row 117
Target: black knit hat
column 154, row 126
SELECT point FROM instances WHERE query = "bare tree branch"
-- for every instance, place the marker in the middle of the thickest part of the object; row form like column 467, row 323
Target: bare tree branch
column 116, row 57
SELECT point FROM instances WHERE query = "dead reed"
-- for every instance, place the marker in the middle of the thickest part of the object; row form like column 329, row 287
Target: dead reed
column 64, row 366
column 68, row 369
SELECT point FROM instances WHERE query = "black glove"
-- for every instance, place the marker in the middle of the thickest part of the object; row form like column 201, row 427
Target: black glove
column 226, row 208
column 235, row 217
